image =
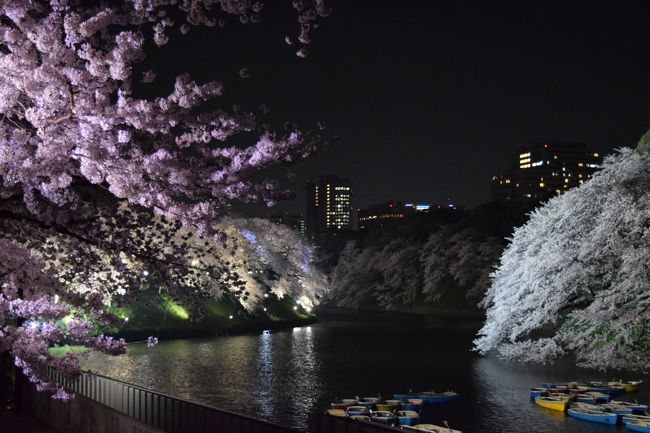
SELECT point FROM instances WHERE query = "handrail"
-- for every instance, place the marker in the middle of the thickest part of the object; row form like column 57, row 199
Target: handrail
column 165, row 412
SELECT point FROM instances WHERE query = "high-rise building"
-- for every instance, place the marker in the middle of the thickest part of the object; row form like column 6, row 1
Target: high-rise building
column 329, row 205
column 540, row 171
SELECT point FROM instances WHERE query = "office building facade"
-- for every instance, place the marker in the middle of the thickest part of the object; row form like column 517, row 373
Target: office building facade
column 329, row 205
column 543, row 170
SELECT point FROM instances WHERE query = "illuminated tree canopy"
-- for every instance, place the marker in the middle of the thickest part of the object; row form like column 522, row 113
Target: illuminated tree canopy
column 102, row 191
column 575, row 278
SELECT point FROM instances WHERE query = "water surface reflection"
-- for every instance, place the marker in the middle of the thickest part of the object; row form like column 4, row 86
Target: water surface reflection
column 283, row 376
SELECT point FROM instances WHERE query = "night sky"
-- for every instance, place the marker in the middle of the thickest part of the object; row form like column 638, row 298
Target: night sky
column 430, row 99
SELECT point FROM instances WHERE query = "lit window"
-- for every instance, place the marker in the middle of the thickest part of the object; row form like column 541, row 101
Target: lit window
column 524, row 155
column 596, row 155
column 541, row 184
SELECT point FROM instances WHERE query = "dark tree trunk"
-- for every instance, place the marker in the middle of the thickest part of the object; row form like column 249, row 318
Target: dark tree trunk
column 7, row 382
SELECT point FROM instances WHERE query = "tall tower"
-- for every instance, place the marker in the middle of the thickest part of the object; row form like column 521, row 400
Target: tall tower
column 329, row 205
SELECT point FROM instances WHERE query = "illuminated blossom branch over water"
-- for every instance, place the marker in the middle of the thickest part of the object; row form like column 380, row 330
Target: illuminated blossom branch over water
column 71, row 130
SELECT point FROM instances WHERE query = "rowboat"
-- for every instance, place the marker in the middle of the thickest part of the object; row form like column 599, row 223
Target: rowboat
column 371, row 399
column 605, row 389
column 383, row 416
column 579, row 405
column 357, row 411
column 412, row 404
column 617, row 409
column 361, row 418
column 585, row 398
column 536, row 392
column 369, row 402
column 593, row 415
column 552, row 403
column 431, row 397
column 344, row 403
column 638, row 425
column 389, row 406
column 599, row 396
column 408, row 417
column 558, row 390
column 632, row 385
column 336, row 412
column 432, row 428
column 636, row 407
column 633, row 417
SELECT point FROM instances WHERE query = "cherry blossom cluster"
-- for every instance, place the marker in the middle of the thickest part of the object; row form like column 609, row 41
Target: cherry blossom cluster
column 68, row 113
column 574, row 279
column 36, row 313
column 84, row 163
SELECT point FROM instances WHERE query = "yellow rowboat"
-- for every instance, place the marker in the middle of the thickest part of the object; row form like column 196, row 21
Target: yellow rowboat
column 389, row 406
column 633, row 385
column 552, row 403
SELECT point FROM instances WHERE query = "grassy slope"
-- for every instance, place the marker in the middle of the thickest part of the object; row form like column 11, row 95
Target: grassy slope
column 156, row 314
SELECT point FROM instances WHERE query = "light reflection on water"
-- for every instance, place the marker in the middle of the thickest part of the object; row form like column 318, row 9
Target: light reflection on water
column 283, row 376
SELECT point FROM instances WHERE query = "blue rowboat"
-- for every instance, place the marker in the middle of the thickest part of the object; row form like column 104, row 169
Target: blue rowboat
column 634, row 417
column 437, row 397
column 536, row 392
column 599, row 396
column 593, row 415
column 579, row 405
column 636, row 407
column 586, row 398
column 383, row 417
column 638, row 425
column 617, row 409
column 402, row 397
column 408, row 417
column 610, row 390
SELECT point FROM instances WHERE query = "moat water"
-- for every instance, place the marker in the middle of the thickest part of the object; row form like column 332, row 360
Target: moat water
column 282, row 376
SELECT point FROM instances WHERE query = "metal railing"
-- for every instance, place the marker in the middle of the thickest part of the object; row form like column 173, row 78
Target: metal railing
column 161, row 411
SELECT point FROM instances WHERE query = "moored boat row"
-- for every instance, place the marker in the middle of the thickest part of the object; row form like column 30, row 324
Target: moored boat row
column 593, row 402
column 402, row 410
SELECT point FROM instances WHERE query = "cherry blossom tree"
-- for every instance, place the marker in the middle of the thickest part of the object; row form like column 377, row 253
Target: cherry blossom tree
column 575, row 278
column 101, row 190
column 394, row 271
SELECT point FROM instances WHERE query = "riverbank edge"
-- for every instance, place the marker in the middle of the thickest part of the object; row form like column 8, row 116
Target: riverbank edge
column 333, row 312
column 239, row 329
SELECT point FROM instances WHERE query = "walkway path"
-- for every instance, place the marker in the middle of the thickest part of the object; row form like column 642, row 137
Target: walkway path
column 16, row 423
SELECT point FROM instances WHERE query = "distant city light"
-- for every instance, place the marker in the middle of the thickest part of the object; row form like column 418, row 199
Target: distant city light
column 126, row 319
column 295, row 307
column 56, row 299
column 264, row 308
column 230, row 317
column 266, row 295
column 145, row 272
